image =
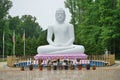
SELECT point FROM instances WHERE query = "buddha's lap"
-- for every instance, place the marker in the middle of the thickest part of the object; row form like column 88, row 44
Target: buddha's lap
column 50, row 48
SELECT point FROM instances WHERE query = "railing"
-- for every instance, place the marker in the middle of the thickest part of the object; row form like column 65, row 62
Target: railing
column 108, row 59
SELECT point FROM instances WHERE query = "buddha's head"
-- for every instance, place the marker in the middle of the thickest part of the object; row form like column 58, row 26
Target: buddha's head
column 60, row 15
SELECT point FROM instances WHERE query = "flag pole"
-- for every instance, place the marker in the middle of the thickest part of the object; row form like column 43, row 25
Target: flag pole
column 3, row 46
column 24, row 48
column 24, row 41
column 14, row 43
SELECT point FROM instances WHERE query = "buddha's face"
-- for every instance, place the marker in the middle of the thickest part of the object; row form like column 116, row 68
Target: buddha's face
column 60, row 16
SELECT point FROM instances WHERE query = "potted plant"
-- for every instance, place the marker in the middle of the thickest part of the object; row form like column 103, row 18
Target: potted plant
column 65, row 64
column 54, row 65
column 72, row 67
column 60, row 67
column 40, row 64
column 88, row 66
column 49, row 67
column 94, row 67
column 40, row 67
column 31, row 67
column 22, row 68
column 79, row 67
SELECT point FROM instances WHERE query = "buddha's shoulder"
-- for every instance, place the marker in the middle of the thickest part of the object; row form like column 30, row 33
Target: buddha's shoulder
column 70, row 25
column 65, row 25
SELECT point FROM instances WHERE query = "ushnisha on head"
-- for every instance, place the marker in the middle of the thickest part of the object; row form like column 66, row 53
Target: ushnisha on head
column 60, row 15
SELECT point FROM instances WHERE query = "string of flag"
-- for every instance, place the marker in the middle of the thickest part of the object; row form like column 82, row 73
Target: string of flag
column 13, row 42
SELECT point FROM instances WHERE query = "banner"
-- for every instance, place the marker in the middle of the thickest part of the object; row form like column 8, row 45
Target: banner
column 3, row 36
column 13, row 41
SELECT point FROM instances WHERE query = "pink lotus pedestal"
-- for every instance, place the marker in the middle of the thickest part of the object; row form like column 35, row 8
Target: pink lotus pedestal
column 63, row 56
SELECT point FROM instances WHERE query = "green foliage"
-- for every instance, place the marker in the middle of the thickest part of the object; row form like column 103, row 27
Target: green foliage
column 5, row 5
column 96, row 27
column 32, row 30
column 34, row 36
column 96, row 24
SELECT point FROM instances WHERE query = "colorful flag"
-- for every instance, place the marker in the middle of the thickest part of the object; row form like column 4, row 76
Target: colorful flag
column 23, row 36
column 3, row 36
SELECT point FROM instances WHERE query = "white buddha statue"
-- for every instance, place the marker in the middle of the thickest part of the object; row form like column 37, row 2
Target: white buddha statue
column 63, row 34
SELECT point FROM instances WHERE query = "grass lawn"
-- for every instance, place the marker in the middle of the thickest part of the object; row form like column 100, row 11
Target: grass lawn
column 1, row 60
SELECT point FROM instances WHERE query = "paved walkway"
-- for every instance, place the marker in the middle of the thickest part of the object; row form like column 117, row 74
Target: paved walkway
column 102, row 73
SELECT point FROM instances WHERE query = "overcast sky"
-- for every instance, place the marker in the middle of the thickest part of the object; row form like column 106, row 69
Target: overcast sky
column 43, row 10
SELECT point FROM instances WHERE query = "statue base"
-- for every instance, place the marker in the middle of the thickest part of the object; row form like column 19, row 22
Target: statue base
column 61, row 56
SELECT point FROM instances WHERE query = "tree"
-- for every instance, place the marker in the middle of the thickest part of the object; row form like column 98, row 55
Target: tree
column 32, row 30
column 34, row 36
column 96, row 24
column 5, row 5
column 29, row 24
column 85, row 22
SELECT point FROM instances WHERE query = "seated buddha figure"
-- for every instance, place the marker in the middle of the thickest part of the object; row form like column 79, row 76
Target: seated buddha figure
column 60, row 37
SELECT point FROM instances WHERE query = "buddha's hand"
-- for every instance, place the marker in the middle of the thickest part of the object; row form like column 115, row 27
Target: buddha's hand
column 54, row 44
column 62, row 45
column 68, row 44
column 57, row 45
